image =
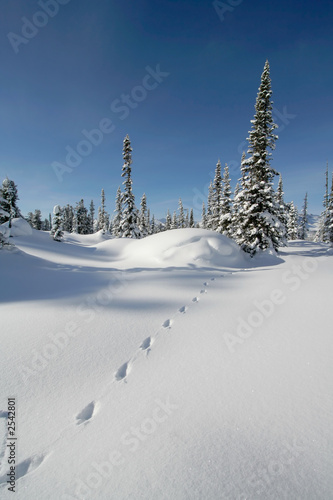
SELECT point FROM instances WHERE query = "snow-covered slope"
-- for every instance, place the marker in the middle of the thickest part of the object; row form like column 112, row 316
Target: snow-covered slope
column 170, row 367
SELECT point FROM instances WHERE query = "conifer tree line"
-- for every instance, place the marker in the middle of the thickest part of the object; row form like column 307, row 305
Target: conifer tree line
column 255, row 215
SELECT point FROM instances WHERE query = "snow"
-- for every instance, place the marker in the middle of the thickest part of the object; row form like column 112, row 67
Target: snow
column 169, row 367
column 20, row 227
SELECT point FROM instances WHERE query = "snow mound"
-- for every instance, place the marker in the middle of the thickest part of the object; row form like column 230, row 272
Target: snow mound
column 20, row 227
column 177, row 248
column 87, row 240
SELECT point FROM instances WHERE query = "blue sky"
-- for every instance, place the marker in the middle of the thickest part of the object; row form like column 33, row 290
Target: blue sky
column 91, row 64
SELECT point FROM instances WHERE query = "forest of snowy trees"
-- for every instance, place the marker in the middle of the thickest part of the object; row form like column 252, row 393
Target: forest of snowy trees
column 255, row 215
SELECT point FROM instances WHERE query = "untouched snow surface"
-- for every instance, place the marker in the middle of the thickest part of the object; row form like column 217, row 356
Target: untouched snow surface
column 172, row 367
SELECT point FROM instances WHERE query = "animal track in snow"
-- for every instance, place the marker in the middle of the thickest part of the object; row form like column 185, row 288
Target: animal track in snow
column 203, row 291
column 205, row 283
column 212, row 279
column 26, row 467
column 122, row 372
column 167, row 323
column 146, row 344
column 195, row 299
column 182, row 309
column 86, row 414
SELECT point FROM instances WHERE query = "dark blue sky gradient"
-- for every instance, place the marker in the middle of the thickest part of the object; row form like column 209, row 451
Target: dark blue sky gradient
column 89, row 54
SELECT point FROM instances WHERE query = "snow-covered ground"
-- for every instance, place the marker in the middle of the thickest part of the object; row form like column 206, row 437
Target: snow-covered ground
column 173, row 367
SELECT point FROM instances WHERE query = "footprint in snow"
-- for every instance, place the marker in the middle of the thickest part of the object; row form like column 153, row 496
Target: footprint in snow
column 182, row 309
column 167, row 323
column 205, row 283
column 212, row 279
column 86, row 414
column 203, row 291
column 195, row 299
column 122, row 372
column 146, row 344
column 25, row 467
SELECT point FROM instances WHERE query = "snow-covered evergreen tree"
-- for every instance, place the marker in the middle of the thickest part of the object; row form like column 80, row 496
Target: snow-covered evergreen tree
column 128, row 225
column 81, row 218
column 216, row 198
column 103, row 216
column 8, row 204
column 191, row 224
column 322, row 233
column 225, row 224
column 203, row 217
column 181, row 216
column 56, row 231
column 3, row 213
column 68, row 218
column 303, row 224
column 153, row 225
column 91, row 217
column 118, row 215
column 258, row 224
column 168, row 221
column 148, row 221
column 238, row 203
column 282, row 211
column 37, row 220
column 46, row 225
column 143, row 217
column 174, row 222
column 292, row 223
column 29, row 218
column 325, row 230
column 187, row 219
column 210, row 203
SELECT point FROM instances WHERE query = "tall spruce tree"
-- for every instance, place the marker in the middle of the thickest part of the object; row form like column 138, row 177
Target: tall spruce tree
column 174, row 221
column 56, row 231
column 153, row 228
column 68, row 218
column 187, row 219
column 8, row 206
column 37, row 220
column 216, row 198
column 181, row 215
column 46, row 225
column 303, row 225
column 203, row 224
column 225, row 223
column 191, row 223
column 259, row 227
column 282, row 211
column 168, row 221
column 292, row 223
column 210, row 205
column 103, row 216
column 238, row 202
column 143, row 218
column 91, row 217
column 81, row 218
column 3, row 213
column 129, row 224
column 118, row 215
column 322, row 233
